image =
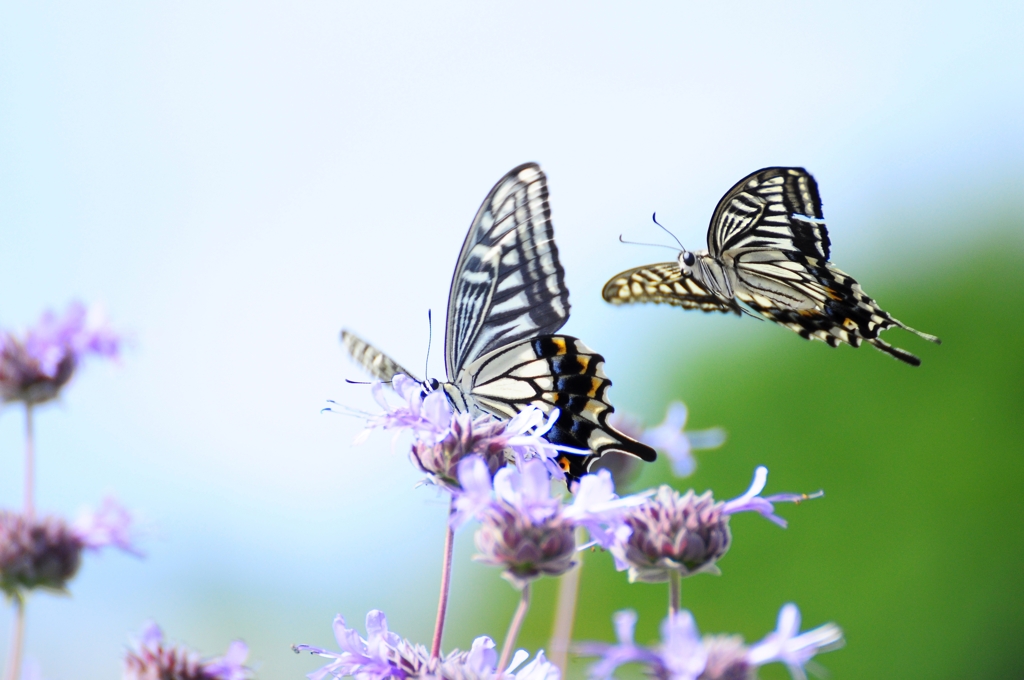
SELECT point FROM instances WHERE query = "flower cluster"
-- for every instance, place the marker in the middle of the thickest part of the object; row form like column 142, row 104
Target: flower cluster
column 384, row 654
column 47, row 552
column 684, row 655
column 687, row 533
column 35, row 366
column 153, row 659
column 524, row 528
column 442, row 438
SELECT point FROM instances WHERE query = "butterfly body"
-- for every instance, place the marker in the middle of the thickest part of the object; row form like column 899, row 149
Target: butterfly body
column 506, row 303
column 768, row 251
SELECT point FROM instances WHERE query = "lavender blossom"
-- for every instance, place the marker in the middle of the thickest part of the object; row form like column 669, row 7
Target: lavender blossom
column 442, row 438
column 384, row 654
column 678, row 445
column 684, row 655
column 787, row 645
column 668, row 437
column 752, row 501
column 687, row 533
column 527, row 530
column 35, row 366
column 46, row 553
column 153, row 659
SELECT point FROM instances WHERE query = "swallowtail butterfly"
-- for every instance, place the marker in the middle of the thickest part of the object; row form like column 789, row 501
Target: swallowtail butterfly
column 768, row 249
column 507, row 300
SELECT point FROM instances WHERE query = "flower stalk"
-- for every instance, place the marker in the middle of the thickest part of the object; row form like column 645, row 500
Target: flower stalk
column 513, row 629
column 565, row 611
column 675, row 588
column 446, row 581
column 13, row 671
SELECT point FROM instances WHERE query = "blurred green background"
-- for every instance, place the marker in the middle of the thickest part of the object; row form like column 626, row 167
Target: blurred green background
column 916, row 548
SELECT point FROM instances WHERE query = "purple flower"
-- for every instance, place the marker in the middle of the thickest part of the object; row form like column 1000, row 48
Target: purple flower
column 613, row 656
column 425, row 412
column 678, row 445
column 684, row 655
column 110, row 525
column 384, row 654
column 752, row 501
column 47, row 552
column 442, row 438
column 527, row 530
column 787, row 645
column 34, row 367
column 153, row 659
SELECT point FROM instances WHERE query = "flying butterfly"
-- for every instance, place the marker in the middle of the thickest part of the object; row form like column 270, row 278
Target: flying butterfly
column 506, row 302
column 768, row 250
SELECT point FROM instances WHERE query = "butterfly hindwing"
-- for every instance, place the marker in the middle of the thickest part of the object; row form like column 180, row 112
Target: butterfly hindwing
column 508, row 283
column 376, row 363
column 553, row 371
column 665, row 283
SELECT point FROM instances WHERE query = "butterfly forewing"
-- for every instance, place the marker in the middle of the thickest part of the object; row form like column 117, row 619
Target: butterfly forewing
column 376, row 363
column 774, row 208
column 553, row 371
column 508, row 284
column 665, row 283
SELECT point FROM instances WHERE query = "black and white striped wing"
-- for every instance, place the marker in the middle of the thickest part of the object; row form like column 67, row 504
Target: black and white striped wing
column 771, row 209
column 508, row 284
column 554, row 371
column 376, row 363
column 770, row 230
column 665, row 283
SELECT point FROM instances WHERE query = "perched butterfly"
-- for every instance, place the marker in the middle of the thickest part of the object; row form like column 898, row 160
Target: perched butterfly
column 768, row 249
column 507, row 299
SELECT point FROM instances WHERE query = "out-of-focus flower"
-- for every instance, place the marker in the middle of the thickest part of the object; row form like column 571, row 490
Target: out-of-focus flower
column 668, row 437
column 154, row 659
column 442, row 438
column 789, row 646
column 679, row 445
column 684, row 655
column 47, row 552
column 687, row 533
column 35, row 366
column 524, row 528
column 110, row 525
column 384, row 654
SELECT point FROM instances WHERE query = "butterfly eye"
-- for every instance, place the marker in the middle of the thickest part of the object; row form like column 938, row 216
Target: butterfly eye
column 688, row 258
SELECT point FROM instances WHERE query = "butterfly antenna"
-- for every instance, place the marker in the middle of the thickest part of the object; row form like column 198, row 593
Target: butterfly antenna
column 638, row 243
column 356, row 382
column 430, row 337
column 654, row 216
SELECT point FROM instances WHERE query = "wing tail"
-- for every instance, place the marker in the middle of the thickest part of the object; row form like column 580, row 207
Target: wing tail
column 901, row 354
column 373, row 361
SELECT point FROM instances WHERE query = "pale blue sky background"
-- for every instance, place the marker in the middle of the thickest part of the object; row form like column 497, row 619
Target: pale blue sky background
column 236, row 181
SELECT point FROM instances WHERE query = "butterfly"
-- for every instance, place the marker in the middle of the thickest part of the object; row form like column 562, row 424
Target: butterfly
column 768, row 250
column 506, row 303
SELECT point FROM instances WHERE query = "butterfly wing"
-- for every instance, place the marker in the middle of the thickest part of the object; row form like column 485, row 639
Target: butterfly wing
column 376, row 363
column 553, row 371
column 665, row 283
column 508, row 283
column 771, row 209
column 769, row 233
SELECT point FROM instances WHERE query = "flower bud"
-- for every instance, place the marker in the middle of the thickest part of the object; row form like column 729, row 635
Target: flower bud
column 727, row 659
column 525, row 546
column 37, row 553
column 155, row 659
column 483, row 436
column 685, row 533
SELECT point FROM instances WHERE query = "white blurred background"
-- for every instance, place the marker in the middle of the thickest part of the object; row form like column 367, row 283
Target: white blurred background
column 236, row 181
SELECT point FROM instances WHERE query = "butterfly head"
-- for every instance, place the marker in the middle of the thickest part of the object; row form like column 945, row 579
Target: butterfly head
column 686, row 261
